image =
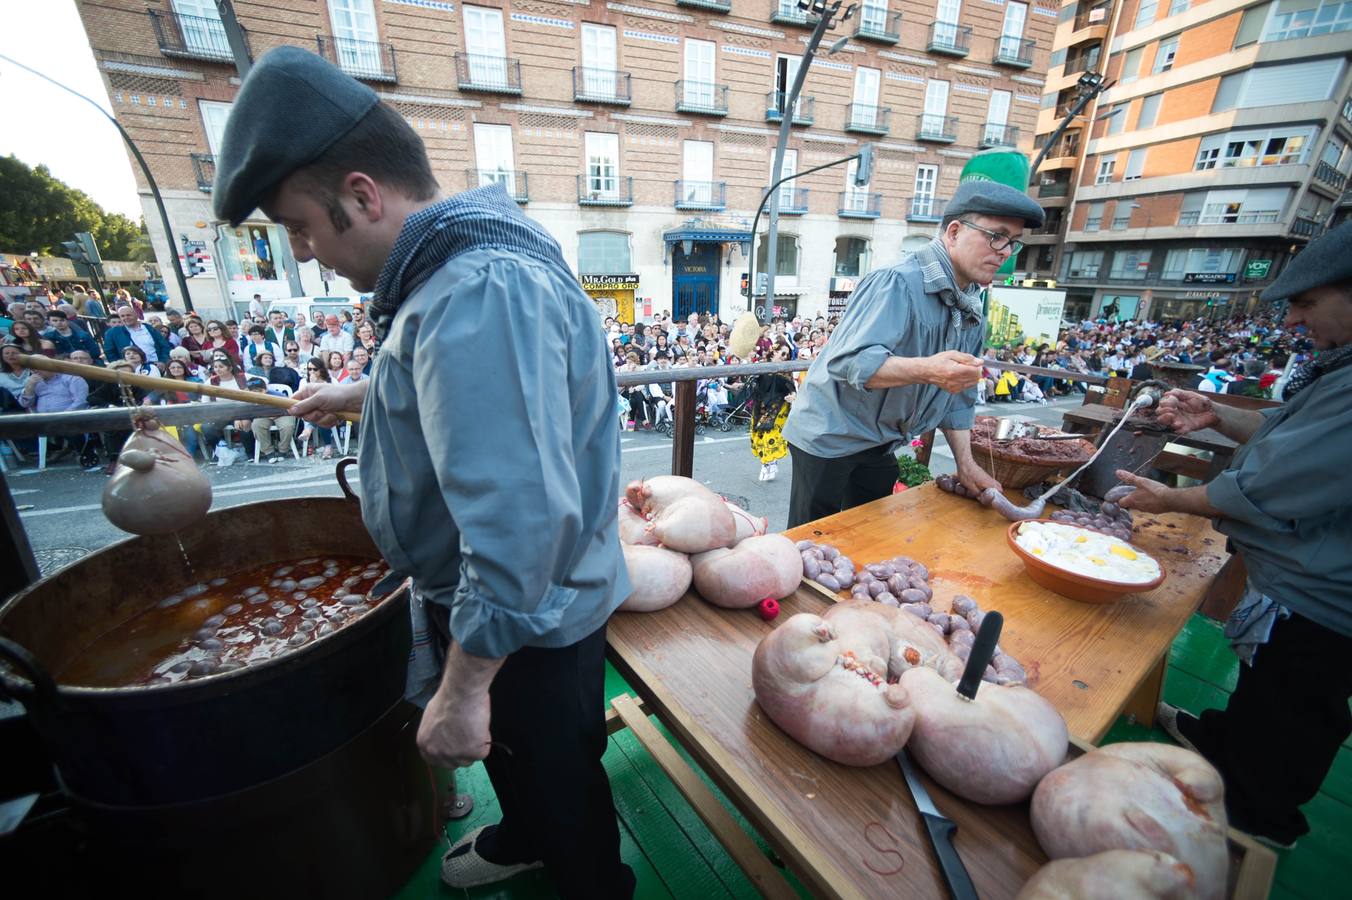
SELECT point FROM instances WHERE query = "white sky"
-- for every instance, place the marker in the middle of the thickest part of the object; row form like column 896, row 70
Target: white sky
column 46, row 125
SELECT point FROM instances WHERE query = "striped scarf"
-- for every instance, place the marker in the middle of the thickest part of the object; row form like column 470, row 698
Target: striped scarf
column 937, row 271
column 478, row 219
column 1324, row 362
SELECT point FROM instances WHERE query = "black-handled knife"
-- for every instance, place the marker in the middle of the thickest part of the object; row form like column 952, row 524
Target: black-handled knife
column 983, row 649
column 941, row 831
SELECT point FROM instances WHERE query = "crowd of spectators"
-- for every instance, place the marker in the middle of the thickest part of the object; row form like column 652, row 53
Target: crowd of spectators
column 270, row 353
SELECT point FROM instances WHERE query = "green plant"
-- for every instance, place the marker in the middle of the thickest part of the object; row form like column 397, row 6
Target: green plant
column 911, row 472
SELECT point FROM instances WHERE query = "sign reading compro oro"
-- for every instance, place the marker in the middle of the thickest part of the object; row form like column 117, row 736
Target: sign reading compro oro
column 605, row 282
column 612, row 294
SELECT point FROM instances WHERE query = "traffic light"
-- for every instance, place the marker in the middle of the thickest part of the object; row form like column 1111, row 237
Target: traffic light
column 864, row 170
column 75, row 252
column 194, row 264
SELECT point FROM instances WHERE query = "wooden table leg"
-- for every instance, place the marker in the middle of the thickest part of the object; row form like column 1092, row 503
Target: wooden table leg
column 1143, row 702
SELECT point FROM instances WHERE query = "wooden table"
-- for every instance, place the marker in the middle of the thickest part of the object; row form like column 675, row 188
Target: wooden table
column 850, row 832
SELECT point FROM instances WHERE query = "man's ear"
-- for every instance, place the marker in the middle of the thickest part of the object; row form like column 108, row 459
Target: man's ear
column 365, row 193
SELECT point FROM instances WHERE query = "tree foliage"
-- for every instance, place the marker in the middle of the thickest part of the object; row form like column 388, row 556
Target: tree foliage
column 38, row 212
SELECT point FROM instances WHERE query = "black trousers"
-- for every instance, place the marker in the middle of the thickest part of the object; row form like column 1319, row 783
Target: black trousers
column 1276, row 740
column 824, row 487
column 549, row 733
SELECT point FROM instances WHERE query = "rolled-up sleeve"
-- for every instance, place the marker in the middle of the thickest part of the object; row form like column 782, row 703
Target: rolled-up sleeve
column 876, row 322
column 491, row 372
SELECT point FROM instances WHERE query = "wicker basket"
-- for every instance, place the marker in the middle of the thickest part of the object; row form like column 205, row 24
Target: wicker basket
column 1016, row 472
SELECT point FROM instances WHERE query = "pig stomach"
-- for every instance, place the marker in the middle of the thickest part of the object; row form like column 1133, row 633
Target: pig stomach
column 659, row 577
column 1112, row 875
column 683, row 514
column 768, row 565
column 828, row 691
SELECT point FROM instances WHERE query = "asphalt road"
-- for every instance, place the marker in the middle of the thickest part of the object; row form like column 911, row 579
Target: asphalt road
column 60, row 510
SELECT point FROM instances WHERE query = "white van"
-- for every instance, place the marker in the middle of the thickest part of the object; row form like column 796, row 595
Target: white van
column 315, row 308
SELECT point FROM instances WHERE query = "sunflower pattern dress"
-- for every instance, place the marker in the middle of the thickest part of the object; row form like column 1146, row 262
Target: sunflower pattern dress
column 769, row 445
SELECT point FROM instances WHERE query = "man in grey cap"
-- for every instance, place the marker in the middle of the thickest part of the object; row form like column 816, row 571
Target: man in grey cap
column 1284, row 504
column 904, row 359
column 490, row 454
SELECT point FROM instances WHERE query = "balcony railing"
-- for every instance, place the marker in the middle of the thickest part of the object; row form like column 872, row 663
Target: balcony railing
column 802, row 110
column 1326, row 174
column 703, row 98
column 513, row 181
column 1307, row 228
column 950, row 39
column 790, row 16
column 367, row 60
column 488, row 73
column 792, row 201
column 1014, row 51
column 1195, row 217
column 1054, row 189
column 1097, row 15
column 715, row 5
column 204, row 167
column 1081, row 63
column 605, row 190
column 711, row 195
column 932, row 127
column 868, row 119
column 885, row 29
column 860, row 205
column 601, row 86
column 1063, row 110
column 996, row 135
column 926, row 209
column 193, row 37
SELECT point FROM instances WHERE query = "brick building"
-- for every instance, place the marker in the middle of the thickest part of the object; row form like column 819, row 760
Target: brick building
column 640, row 133
column 1221, row 149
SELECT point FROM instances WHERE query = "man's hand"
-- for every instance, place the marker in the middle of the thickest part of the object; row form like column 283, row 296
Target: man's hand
column 975, row 478
column 1149, row 496
column 1186, row 411
column 322, row 404
column 454, row 732
column 952, row 370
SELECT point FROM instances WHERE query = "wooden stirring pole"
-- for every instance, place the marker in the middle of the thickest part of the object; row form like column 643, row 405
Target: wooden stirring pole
column 113, row 376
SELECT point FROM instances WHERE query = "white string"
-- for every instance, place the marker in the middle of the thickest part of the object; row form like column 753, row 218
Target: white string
column 1142, row 401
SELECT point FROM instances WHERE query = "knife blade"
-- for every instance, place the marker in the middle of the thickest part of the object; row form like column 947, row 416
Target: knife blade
column 941, row 830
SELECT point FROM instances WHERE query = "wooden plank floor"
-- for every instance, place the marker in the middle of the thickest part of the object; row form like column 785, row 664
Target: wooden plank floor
column 673, row 854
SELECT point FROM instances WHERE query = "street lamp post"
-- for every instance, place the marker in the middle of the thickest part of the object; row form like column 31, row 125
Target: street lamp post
column 1089, row 86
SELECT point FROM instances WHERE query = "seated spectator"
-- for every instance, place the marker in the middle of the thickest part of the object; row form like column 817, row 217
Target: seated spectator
column 23, row 336
column 336, row 361
column 226, row 372
column 184, row 355
column 261, row 429
column 335, row 338
column 317, row 373
column 13, row 378
column 137, row 357
column 278, row 332
column 1216, row 378
column 132, row 332
column 51, row 392
column 293, row 359
column 366, row 339
column 363, row 358
column 270, row 372
column 178, row 370
column 70, row 337
column 257, row 343
column 354, row 372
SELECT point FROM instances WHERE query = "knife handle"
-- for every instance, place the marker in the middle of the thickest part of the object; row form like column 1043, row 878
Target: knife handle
column 941, row 832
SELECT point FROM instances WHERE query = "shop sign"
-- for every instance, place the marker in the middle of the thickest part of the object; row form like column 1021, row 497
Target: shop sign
column 608, row 282
column 843, row 285
column 1209, row 278
column 1199, row 295
column 1257, row 269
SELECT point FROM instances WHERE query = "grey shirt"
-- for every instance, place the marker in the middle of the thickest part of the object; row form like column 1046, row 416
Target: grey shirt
column 1287, row 500
column 490, row 453
column 890, row 314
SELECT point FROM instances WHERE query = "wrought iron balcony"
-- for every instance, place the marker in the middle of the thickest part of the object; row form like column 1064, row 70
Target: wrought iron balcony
column 193, row 37
column 996, row 135
column 703, row 98
column 792, row 15
column 950, row 39
column 715, row 5
column 1014, row 51
column 204, row 167
column 708, row 195
column 605, row 190
column 885, row 29
column 924, row 208
column 792, row 200
column 937, row 128
column 867, row 119
column 860, row 205
column 1054, row 189
column 513, row 181
column 367, row 60
column 1097, row 15
column 1326, row 174
column 488, row 73
column 802, row 110
column 601, row 86
column 1195, row 217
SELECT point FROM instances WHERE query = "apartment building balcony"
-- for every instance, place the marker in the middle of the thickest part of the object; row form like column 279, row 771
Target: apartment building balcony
column 602, row 190
column 702, row 98
column 860, row 205
column 1017, row 53
column 792, row 201
column 791, row 16
column 722, row 6
column 193, row 37
column 706, row 195
column 487, row 73
column 365, row 60
column 884, row 31
column 802, row 110
column 926, row 209
column 513, row 181
column 936, row 128
column 1302, row 226
column 601, row 86
column 995, row 134
column 204, row 167
column 1327, row 175
column 1090, row 24
column 864, row 118
column 950, row 39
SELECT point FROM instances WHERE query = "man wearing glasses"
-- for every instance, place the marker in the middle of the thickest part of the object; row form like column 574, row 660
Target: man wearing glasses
column 904, row 360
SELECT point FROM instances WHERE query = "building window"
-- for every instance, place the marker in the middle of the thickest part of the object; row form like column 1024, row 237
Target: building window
column 1264, row 147
column 1164, row 56
column 872, row 18
column 1178, row 7
column 697, row 170
column 1135, row 164
column 486, row 46
column 1255, row 206
column 936, row 108
column 1011, row 32
column 786, row 256
column 603, row 252
column 1085, row 263
column 786, row 69
column 354, row 36
column 946, row 21
column 1333, row 154
column 493, row 156
column 1122, row 217
column 852, row 257
column 788, row 192
column 1150, row 110
column 200, row 24
column 254, row 252
column 700, row 90
column 1117, row 118
column 598, row 60
column 1105, row 170
column 1311, row 18
column 1145, row 13
column 866, row 82
column 1131, row 65
column 214, row 114
column 1211, row 260
column 603, row 165
column 922, row 205
column 1094, row 219
column 1130, row 265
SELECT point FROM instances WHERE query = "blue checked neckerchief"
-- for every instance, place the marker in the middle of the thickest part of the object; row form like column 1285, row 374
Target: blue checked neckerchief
column 1326, row 361
column 937, row 271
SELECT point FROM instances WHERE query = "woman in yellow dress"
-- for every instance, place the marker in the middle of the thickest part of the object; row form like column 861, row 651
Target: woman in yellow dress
column 771, row 396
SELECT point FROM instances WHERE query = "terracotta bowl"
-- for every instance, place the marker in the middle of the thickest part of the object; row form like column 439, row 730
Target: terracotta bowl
column 1076, row 586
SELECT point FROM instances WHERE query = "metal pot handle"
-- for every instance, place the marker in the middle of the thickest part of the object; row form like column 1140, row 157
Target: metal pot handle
column 39, row 684
column 340, row 472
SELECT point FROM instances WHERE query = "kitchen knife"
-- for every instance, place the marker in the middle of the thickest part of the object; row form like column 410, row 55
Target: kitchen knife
column 941, row 831
column 983, row 648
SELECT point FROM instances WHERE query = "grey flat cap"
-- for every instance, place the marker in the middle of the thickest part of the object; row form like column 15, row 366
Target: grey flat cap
column 292, row 107
column 991, row 198
column 1326, row 261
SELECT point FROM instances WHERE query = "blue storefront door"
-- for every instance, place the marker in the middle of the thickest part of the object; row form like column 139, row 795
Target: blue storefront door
column 694, row 280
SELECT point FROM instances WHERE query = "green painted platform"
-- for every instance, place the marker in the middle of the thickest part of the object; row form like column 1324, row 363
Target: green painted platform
column 674, row 855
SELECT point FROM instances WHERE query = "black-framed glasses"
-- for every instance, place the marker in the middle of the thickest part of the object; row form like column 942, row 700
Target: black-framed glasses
column 998, row 241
